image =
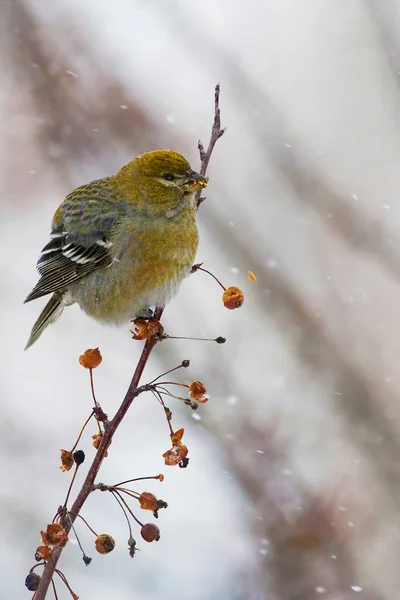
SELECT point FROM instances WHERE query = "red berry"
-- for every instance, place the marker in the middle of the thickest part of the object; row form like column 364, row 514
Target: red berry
column 150, row 532
column 233, row 297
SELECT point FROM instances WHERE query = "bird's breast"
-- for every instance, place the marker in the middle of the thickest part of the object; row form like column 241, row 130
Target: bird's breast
column 149, row 265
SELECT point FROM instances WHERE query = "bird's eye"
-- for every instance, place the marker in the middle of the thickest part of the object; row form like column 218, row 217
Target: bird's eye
column 169, row 176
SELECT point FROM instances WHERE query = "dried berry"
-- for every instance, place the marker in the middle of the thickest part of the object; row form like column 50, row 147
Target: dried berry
column 177, row 436
column 174, row 455
column 32, row 581
column 67, row 460
column 233, row 297
column 148, row 501
column 55, row 535
column 42, row 553
column 104, row 543
column 91, row 358
column 145, row 329
column 150, row 532
column 198, row 392
column 79, row 456
column 97, row 437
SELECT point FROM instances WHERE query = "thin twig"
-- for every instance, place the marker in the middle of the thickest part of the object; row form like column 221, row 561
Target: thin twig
column 216, row 133
column 96, row 404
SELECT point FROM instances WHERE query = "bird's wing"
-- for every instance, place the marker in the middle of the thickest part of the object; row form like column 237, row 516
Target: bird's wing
column 70, row 255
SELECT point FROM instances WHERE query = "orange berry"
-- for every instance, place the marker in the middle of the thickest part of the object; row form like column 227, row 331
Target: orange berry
column 145, row 329
column 55, row 535
column 42, row 553
column 97, row 439
column 91, row 358
column 148, row 501
column 198, row 392
column 177, row 436
column 251, row 276
column 67, row 460
column 174, row 455
column 233, row 297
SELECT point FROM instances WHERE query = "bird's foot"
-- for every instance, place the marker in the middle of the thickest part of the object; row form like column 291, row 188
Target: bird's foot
column 146, row 313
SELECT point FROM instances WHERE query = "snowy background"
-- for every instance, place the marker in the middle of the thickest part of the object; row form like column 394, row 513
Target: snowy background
column 293, row 487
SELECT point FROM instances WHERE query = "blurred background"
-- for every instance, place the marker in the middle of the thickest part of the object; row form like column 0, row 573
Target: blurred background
column 293, row 487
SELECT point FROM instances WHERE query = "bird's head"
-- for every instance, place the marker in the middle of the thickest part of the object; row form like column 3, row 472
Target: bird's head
column 160, row 181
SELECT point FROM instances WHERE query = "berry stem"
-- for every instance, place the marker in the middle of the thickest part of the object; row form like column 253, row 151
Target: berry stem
column 166, row 373
column 68, row 516
column 70, row 487
column 54, row 590
column 135, row 479
column 199, row 268
column 172, row 383
column 86, row 523
column 82, row 430
column 64, row 580
column 128, row 509
column 96, row 404
column 124, row 511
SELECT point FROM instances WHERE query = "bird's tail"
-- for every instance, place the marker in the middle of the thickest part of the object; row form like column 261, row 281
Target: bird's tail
column 49, row 314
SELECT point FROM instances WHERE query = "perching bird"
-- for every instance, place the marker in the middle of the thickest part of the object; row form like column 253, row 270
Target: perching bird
column 121, row 244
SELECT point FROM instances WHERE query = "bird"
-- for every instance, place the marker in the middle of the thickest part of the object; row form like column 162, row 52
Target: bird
column 121, row 244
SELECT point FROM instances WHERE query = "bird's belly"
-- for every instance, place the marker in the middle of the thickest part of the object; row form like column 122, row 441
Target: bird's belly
column 120, row 292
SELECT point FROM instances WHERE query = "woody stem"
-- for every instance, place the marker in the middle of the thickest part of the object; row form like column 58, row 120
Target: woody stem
column 87, row 486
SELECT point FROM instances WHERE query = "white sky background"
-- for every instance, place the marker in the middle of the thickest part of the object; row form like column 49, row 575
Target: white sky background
column 305, row 85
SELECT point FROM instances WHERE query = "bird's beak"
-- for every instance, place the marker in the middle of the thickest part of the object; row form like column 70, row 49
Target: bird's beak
column 194, row 181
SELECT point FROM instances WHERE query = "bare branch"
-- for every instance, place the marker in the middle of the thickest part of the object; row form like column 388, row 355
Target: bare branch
column 216, row 133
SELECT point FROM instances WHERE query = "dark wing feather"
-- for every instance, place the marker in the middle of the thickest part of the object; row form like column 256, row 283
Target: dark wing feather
column 79, row 241
column 63, row 262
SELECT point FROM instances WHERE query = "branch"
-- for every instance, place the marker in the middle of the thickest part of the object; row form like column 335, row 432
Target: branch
column 132, row 392
column 87, row 485
column 216, row 133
